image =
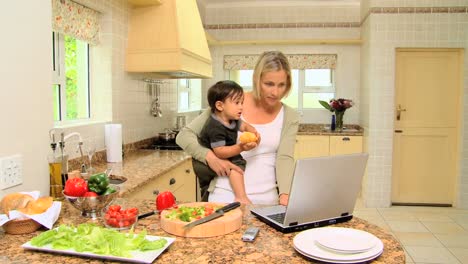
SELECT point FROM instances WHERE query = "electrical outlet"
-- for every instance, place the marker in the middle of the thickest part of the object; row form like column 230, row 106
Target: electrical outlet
column 11, row 171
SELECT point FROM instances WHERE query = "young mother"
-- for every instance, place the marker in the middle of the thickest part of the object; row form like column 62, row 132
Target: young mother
column 270, row 166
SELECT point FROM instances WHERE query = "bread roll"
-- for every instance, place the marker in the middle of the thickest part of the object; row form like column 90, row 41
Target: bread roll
column 247, row 137
column 14, row 201
column 38, row 206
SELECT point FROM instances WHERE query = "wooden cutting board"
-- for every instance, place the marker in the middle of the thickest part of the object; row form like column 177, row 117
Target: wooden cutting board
column 229, row 222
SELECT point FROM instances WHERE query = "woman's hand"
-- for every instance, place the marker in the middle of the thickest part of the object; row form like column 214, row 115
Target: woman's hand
column 284, row 199
column 220, row 166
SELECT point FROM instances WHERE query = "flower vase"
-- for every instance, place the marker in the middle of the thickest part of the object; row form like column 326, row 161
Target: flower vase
column 339, row 120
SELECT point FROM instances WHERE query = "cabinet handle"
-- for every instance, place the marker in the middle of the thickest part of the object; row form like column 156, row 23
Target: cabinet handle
column 187, row 171
column 346, row 139
column 155, row 192
column 172, row 181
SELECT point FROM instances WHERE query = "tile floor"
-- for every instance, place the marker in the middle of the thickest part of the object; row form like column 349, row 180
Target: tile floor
column 428, row 234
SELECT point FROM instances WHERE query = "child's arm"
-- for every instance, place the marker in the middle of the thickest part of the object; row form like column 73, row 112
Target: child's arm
column 225, row 152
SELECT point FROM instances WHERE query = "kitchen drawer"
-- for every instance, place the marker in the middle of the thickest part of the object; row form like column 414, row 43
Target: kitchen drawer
column 345, row 145
column 179, row 180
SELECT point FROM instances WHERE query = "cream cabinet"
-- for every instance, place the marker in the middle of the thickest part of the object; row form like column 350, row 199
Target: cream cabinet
column 308, row 146
column 311, row 146
column 179, row 180
column 345, row 145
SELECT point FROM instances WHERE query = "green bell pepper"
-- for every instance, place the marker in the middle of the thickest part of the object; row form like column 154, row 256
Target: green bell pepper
column 109, row 190
column 98, row 183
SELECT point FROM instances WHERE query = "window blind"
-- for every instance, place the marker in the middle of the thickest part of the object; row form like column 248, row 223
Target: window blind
column 75, row 20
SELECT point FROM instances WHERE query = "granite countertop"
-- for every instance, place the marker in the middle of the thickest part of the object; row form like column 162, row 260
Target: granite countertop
column 142, row 165
column 323, row 129
column 270, row 246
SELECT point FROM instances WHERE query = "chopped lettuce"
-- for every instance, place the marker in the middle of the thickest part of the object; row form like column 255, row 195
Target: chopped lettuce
column 97, row 240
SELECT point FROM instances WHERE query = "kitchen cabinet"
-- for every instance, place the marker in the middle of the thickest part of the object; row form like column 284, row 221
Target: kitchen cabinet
column 179, row 180
column 345, row 145
column 311, row 146
column 308, row 146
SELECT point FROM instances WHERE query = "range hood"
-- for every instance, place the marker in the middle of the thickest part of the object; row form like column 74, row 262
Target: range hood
column 168, row 41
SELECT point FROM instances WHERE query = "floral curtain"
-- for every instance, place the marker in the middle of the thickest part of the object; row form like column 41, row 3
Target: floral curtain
column 297, row 61
column 75, row 20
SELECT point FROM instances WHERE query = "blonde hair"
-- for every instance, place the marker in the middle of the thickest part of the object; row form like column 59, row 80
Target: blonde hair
column 271, row 61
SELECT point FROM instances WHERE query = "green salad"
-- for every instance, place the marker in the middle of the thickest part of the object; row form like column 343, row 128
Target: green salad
column 190, row 213
column 97, row 240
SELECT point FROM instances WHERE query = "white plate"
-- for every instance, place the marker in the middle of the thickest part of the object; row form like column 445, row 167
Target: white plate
column 339, row 261
column 138, row 256
column 346, row 240
column 305, row 243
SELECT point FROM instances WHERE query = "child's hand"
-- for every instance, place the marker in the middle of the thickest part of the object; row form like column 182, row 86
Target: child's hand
column 248, row 146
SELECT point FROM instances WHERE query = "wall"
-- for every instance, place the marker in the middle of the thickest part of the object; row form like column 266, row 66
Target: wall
column 120, row 97
column 26, row 108
column 386, row 28
column 291, row 22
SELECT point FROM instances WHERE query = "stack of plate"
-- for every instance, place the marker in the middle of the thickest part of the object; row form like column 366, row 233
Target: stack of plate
column 338, row 245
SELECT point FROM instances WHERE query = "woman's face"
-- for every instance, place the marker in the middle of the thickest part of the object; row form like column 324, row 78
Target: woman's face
column 273, row 87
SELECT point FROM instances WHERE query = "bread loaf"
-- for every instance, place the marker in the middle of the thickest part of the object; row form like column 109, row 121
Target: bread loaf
column 14, row 201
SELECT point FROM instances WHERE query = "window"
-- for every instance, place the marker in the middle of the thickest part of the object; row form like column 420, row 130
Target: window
column 70, row 78
column 189, row 94
column 308, row 86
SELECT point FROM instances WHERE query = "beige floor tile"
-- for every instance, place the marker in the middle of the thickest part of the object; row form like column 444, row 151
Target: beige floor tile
column 406, row 226
column 461, row 254
column 444, row 227
column 418, row 239
column 453, row 240
column 408, row 258
column 459, row 218
column 398, row 216
column 431, row 255
column 433, row 217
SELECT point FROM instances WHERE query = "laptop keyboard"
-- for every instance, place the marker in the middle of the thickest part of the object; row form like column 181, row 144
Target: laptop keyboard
column 278, row 217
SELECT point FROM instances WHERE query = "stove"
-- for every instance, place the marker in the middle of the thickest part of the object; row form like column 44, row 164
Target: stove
column 157, row 144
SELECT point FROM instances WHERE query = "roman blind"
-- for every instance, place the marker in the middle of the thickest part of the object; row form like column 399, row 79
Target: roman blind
column 297, row 61
column 75, row 20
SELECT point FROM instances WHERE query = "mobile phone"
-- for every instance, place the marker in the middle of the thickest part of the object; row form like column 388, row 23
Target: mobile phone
column 250, row 234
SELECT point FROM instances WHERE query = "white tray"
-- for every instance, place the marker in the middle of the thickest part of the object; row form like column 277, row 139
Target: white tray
column 138, row 256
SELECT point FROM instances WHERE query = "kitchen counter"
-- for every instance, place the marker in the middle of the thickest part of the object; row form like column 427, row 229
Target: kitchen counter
column 270, row 246
column 141, row 166
column 322, row 129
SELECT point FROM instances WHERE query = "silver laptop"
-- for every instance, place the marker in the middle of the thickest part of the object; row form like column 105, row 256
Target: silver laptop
column 323, row 192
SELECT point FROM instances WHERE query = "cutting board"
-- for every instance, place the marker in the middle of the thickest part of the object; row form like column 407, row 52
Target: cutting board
column 229, row 222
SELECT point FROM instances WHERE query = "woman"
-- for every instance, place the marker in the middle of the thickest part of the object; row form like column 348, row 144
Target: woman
column 269, row 166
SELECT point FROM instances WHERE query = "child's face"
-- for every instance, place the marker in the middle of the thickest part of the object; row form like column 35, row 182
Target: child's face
column 231, row 108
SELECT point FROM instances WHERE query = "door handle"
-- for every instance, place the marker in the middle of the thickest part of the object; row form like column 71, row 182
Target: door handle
column 398, row 111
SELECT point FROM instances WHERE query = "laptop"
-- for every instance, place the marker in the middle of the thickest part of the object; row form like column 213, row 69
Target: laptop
column 323, row 192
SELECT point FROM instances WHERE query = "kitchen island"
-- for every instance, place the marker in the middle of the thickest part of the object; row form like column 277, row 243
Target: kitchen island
column 270, row 246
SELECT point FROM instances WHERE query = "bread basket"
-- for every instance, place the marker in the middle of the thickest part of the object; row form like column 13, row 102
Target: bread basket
column 21, row 226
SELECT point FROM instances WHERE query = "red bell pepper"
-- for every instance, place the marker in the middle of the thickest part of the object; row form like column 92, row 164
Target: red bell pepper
column 75, row 187
column 165, row 200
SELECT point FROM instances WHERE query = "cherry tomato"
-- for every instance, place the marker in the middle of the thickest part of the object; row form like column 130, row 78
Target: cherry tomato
column 115, row 208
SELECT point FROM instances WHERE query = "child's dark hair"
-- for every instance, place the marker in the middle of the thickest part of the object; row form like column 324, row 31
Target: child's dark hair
column 222, row 90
